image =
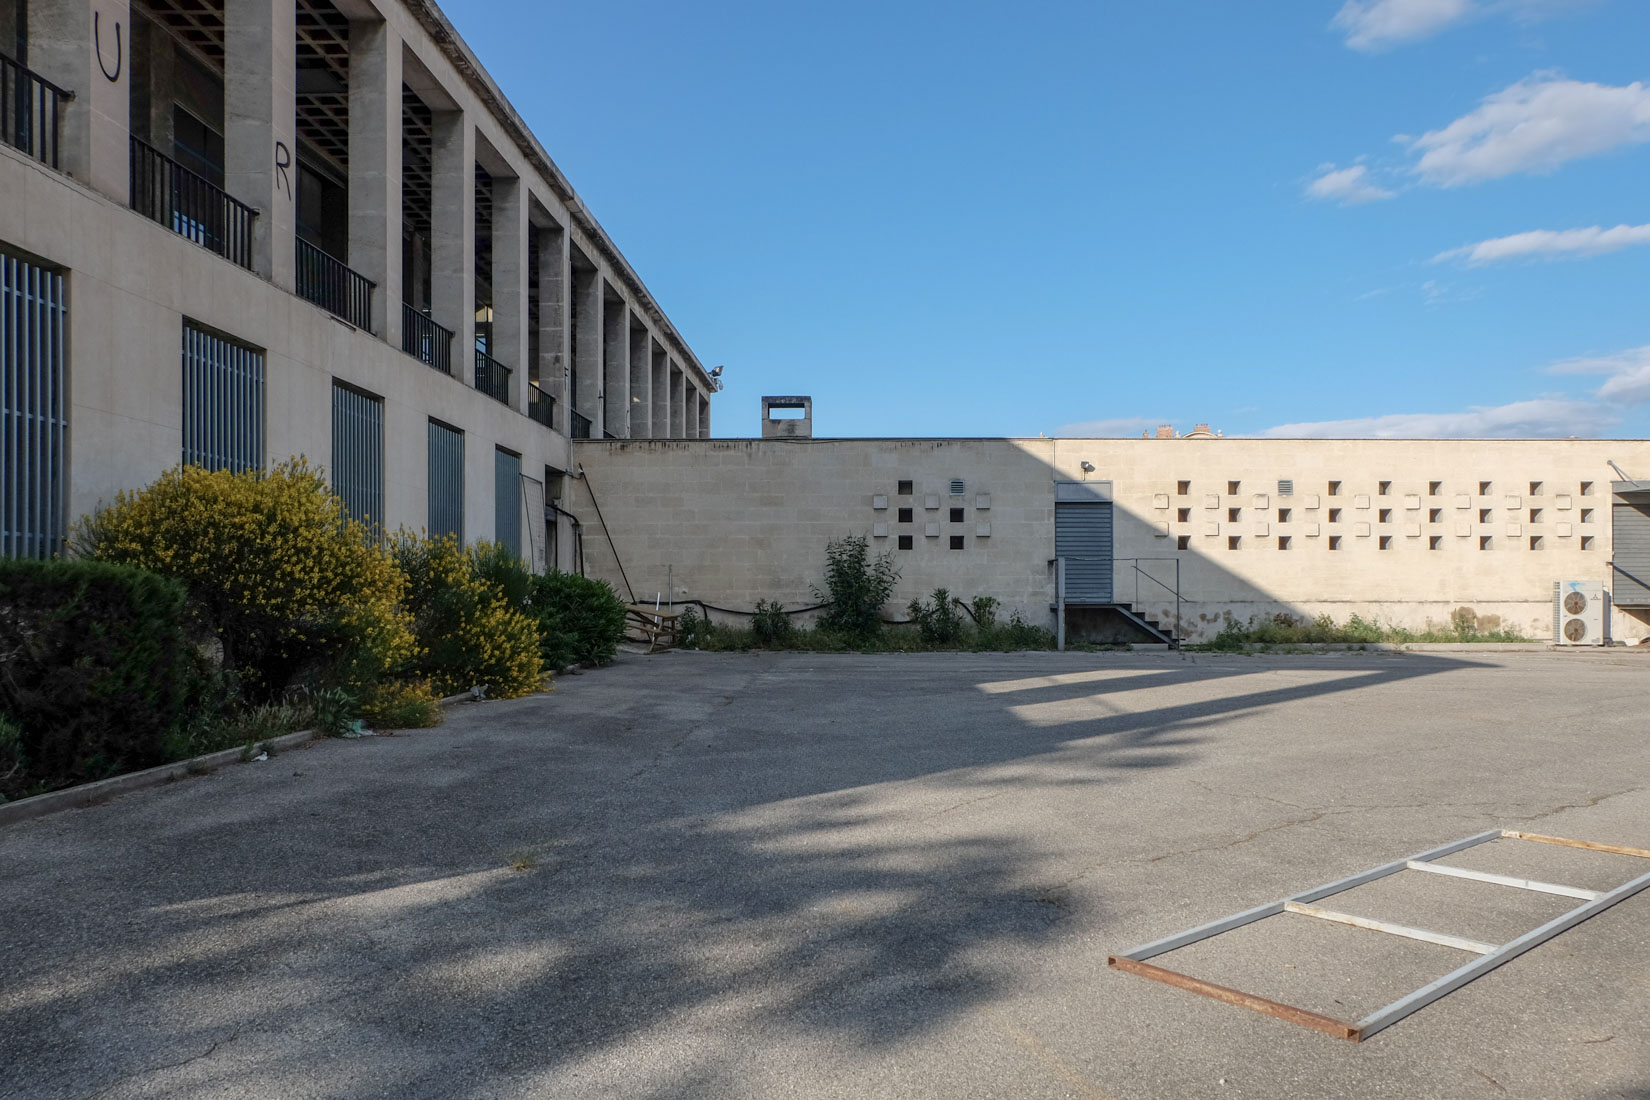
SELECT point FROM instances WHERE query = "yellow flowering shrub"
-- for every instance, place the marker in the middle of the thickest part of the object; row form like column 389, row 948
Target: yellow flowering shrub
column 274, row 564
column 467, row 628
column 402, row 705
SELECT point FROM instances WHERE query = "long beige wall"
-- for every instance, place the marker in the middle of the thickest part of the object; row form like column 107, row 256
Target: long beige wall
column 735, row 521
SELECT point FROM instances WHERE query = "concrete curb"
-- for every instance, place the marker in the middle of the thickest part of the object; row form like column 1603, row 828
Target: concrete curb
column 90, row 794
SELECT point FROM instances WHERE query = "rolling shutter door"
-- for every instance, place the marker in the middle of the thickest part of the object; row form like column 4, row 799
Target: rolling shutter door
column 1082, row 535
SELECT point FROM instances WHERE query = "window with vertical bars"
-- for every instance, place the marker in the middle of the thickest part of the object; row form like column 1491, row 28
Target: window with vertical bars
column 507, row 499
column 446, row 481
column 358, row 452
column 33, row 408
column 223, row 401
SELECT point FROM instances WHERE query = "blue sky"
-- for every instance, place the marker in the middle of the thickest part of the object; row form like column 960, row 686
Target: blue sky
column 1382, row 217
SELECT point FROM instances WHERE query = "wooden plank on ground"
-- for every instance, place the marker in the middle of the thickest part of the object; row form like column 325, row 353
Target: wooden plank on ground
column 1314, row 1020
column 1614, row 849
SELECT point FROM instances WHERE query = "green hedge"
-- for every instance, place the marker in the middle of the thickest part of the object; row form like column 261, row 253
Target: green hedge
column 99, row 673
column 579, row 619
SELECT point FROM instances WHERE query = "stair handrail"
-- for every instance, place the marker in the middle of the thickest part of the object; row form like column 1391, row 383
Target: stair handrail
column 1174, row 591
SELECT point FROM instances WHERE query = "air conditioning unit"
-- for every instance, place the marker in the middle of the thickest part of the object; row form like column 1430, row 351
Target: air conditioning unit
column 1581, row 613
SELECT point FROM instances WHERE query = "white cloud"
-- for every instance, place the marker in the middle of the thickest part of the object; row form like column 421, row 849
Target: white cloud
column 1540, row 418
column 1549, row 244
column 1120, row 427
column 1628, row 381
column 1348, row 186
column 1375, row 25
column 1372, row 25
column 1534, row 125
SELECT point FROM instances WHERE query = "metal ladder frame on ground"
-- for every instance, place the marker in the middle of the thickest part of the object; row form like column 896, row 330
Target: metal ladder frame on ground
column 1490, row 956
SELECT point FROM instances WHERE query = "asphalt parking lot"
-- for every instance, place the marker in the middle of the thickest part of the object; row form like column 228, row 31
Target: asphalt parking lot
column 697, row 875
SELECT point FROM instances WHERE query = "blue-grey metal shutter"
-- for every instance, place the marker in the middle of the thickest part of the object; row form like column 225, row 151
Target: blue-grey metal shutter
column 507, row 499
column 34, row 411
column 1630, row 545
column 223, row 401
column 358, row 452
column 1082, row 535
column 446, row 481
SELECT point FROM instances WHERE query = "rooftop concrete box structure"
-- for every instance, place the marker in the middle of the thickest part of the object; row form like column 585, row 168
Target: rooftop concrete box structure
column 800, row 426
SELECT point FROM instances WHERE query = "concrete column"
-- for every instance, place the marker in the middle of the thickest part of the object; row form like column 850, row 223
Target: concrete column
column 678, row 398
column 84, row 47
column 704, row 416
column 692, row 412
column 615, row 368
column 641, row 404
column 510, row 283
column 375, row 169
column 659, row 388
column 260, row 127
column 453, row 239
column 587, row 287
column 554, row 333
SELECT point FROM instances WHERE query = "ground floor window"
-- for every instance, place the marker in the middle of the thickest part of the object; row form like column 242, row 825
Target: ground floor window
column 507, row 499
column 358, row 452
column 34, row 415
column 223, row 401
column 446, row 481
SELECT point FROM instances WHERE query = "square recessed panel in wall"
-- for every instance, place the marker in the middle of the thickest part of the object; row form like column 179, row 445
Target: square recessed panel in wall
column 931, row 501
column 1463, row 501
column 1514, row 501
column 1412, row 530
column 1563, row 530
column 1361, row 530
column 1160, row 500
column 1311, row 500
column 1562, row 502
column 1262, row 529
column 1515, row 529
column 1463, row 529
column 1311, row 530
column 879, row 503
column 879, row 530
column 1262, row 501
column 1211, row 528
column 1161, row 529
column 1211, row 501
column 1360, row 501
column 982, row 501
column 932, row 530
column 1412, row 501
column 982, row 530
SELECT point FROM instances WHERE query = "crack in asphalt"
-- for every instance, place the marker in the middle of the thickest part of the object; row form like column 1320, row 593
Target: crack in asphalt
column 125, row 1077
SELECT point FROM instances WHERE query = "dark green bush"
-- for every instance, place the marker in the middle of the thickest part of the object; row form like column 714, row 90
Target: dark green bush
column 98, row 673
column 580, row 619
column 771, row 628
column 856, row 587
column 937, row 620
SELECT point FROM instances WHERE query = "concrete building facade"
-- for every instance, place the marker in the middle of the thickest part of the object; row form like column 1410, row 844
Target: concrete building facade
column 235, row 231
column 1401, row 532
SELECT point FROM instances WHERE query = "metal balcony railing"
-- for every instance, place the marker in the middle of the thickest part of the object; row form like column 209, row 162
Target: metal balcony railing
column 492, row 377
column 190, row 206
column 540, row 405
column 330, row 284
column 30, row 106
column 425, row 340
column 581, row 425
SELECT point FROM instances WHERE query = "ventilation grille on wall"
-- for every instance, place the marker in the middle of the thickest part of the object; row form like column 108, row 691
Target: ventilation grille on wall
column 1286, row 487
column 958, row 487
